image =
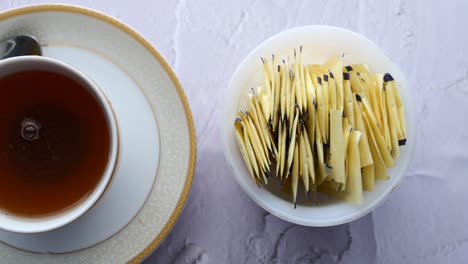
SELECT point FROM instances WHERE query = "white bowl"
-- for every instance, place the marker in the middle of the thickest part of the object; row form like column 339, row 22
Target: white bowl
column 319, row 43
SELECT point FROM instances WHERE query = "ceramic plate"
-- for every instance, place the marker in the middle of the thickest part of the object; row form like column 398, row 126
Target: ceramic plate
column 158, row 146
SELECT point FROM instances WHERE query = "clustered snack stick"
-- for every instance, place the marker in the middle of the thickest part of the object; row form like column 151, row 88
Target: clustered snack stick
column 334, row 128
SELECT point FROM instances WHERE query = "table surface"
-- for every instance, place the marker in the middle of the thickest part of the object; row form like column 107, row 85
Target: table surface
column 424, row 221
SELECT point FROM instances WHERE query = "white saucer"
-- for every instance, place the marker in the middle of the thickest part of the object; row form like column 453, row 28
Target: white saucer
column 134, row 177
column 145, row 95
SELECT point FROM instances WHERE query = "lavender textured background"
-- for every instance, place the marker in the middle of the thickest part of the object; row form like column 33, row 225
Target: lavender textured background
column 424, row 221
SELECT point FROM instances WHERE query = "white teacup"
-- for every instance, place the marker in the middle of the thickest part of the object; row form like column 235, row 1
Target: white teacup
column 35, row 225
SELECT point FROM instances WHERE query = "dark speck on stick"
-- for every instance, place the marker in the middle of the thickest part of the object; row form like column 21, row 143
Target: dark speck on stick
column 346, row 75
column 402, row 142
column 387, row 77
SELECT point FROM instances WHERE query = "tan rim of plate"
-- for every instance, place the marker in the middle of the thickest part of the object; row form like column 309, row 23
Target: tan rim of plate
column 193, row 148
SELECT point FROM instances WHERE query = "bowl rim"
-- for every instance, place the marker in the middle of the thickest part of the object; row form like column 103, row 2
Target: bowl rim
column 286, row 216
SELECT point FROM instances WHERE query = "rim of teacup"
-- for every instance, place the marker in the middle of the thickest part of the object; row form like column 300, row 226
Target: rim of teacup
column 19, row 224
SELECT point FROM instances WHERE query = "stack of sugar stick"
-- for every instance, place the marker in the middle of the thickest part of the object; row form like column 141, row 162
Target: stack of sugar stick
column 336, row 129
